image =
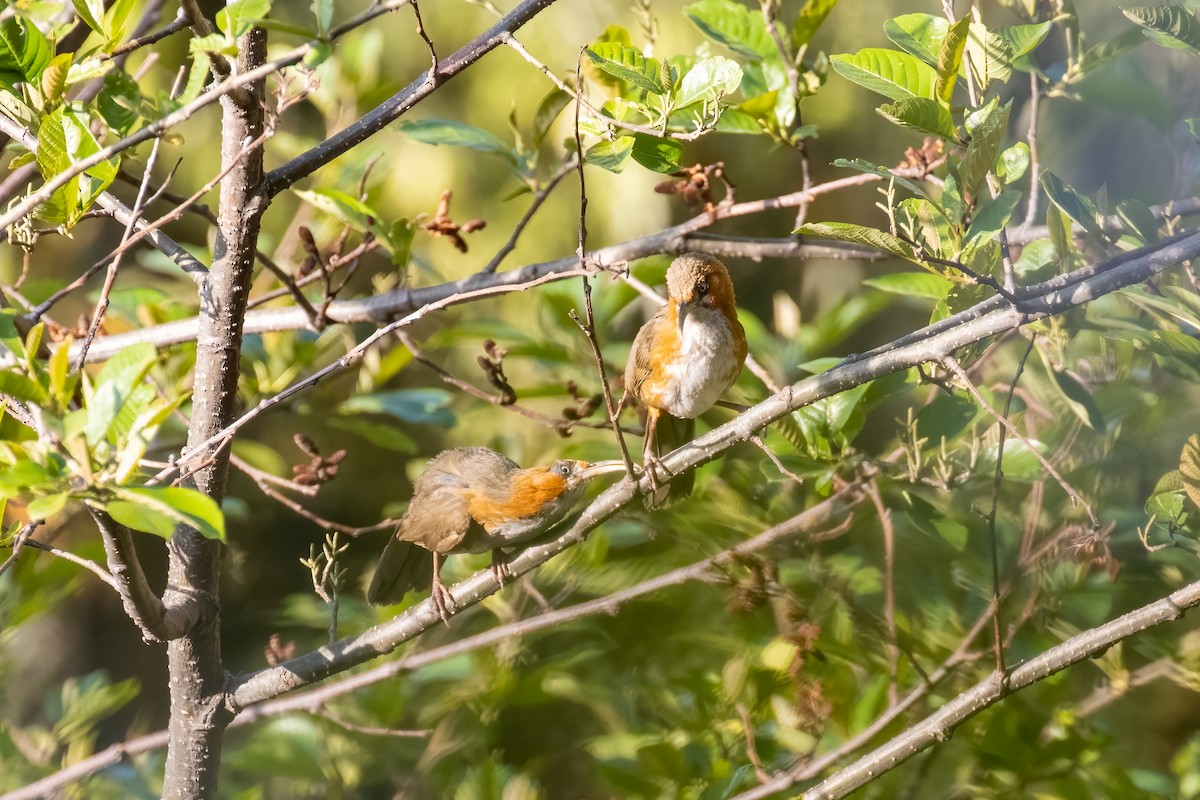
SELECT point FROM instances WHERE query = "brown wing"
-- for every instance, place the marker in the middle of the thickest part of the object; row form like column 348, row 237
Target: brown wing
column 641, row 354
column 437, row 518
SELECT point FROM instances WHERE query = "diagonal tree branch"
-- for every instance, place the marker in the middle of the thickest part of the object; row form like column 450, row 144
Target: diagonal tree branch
column 938, row 726
column 387, row 112
column 931, row 344
column 840, row 502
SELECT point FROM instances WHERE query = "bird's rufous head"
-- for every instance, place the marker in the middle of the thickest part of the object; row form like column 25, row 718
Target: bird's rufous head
column 698, row 279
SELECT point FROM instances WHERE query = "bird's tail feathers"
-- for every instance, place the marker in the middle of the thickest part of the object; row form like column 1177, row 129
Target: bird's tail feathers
column 403, row 566
column 671, row 433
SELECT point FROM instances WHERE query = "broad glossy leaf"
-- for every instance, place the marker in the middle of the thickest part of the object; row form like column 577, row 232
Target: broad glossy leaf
column 708, row 81
column 455, row 134
column 918, row 34
column 980, row 156
column 920, row 114
column 889, row 72
column 127, row 367
column 24, row 51
column 159, row 509
column 732, row 24
column 859, row 234
column 238, row 17
column 1013, row 162
column 1075, row 205
column 658, row 155
column 950, row 58
column 809, row 19
column 925, row 285
column 994, row 216
column 416, row 406
column 863, row 165
column 1075, row 395
column 1138, row 217
column 612, row 156
column 1189, row 469
column 1104, row 52
column 1022, row 39
column 628, row 64
column 1170, row 24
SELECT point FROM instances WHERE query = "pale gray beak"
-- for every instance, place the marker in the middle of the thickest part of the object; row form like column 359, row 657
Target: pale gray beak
column 681, row 312
column 602, row 468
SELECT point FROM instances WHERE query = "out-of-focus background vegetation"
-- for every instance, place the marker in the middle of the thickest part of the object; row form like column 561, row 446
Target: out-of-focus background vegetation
column 789, row 649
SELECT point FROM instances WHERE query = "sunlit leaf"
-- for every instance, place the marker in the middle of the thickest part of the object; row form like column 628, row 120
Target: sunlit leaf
column 889, row 72
column 159, row 509
column 732, row 24
column 1170, row 24
column 920, row 114
column 628, row 64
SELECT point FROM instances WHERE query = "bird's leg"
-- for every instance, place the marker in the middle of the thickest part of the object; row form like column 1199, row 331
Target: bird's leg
column 500, row 571
column 442, row 600
column 650, row 462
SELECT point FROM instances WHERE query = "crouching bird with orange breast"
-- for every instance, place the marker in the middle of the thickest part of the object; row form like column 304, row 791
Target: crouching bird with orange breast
column 682, row 361
column 470, row 500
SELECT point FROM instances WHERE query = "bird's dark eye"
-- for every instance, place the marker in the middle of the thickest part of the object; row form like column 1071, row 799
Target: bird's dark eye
column 563, row 469
column 702, row 287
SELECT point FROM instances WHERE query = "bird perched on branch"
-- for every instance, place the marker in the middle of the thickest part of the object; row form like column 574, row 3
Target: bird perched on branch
column 470, row 500
column 683, row 359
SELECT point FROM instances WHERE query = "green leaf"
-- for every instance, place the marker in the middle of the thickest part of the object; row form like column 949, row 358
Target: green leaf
column 389, row 437
column 1104, row 52
column 159, row 509
column 925, row 285
column 859, row 234
column 455, row 134
column 1075, row 205
column 117, row 22
column 990, row 57
column 349, row 210
column 811, row 15
column 920, row 114
column 612, row 156
column 993, row 217
column 1013, row 163
column 90, row 12
column 1138, row 217
column 918, row 34
column 548, row 111
column 1076, row 397
column 24, row 51
column 236, row 18
column 416, row 406
column 889, row 72
column 950, row 58
column 65, row 137
column 735, row 26
column 658, row 155
column 1189, row 469
column 708, row 81
column 21, row 387
column 866, row 166
column 1166, row 506
column 1022, row 39
column 628, row 64
column 127, row 367
column 47, row 506
column 54, row 77
column 1171, row 25
column 980, row 156
column 323, row 11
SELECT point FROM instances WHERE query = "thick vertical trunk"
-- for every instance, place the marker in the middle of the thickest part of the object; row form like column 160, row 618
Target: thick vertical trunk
column 199, row 713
